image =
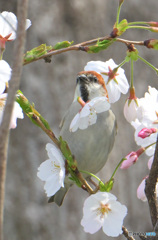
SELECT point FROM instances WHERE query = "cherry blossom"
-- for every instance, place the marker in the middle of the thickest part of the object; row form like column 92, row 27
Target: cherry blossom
column 102, row 210
column 115, row 79
column 5, row 75
column 52, row 171
column 149, row 106
column 8, row 27
column 16, row 113
column 88, row 114
column 147, row 118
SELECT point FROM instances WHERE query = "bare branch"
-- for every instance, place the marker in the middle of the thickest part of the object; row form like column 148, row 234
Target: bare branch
column 126, row 234
column 14, row 85
column 150, row 189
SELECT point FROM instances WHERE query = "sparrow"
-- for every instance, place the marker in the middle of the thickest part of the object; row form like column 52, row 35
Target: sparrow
column 91, row 146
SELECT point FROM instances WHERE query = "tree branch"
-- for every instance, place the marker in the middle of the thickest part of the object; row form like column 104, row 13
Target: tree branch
column 150, row 189
column 14, row 85
column 82, row 47
column 126, row 234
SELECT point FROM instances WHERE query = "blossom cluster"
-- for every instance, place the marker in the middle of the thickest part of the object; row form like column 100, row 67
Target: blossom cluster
column 142, row 113
column 8, row 27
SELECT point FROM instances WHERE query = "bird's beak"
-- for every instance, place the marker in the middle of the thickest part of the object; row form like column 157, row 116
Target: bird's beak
column 82, row 79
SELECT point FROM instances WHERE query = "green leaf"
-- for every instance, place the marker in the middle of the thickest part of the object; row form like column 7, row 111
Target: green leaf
column 36, row 52
column 30, row 110
column 23, row 102
column 107, row 186
column 120, row 29
column 63, row 44
column 102, row 187
column 101, row 45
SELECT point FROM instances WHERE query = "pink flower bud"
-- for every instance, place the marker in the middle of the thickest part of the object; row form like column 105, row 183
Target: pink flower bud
column 146, row 132
column 153, row 24
column 131, row 158
column 153, row 29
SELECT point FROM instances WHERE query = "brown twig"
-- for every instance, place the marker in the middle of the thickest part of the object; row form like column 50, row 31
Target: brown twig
column 150, row 189
column 47, row 131
column 14, row 85
column 82, row 47
column 126, row 233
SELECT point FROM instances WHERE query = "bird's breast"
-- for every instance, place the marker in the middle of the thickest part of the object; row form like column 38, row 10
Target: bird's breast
column 90, row 146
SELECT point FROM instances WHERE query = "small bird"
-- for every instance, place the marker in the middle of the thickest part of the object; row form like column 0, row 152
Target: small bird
column 91, row 146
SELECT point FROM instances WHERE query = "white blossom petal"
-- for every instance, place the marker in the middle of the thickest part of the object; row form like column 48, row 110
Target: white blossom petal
column 52, row 185
column 46, row 170
column 102, row 210
column 148, row 106
column 130, row 110
column 8, row 24
column 5, row 74
column 114, row 221
column 75, row 123
column 16, row 113
column 114, row 89
column 140, row 191
column 88, row 114
column 28, row 24
column 123, row 84
column 100, row 104
column 97, row 66
column 91, row 224
column 85, row 111
column 52, row 171
column 113, row 92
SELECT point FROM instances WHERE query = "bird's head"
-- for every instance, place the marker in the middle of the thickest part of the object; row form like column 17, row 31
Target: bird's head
column 90, row 84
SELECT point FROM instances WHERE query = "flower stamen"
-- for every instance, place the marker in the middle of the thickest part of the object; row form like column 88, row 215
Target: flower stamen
column 103, row 209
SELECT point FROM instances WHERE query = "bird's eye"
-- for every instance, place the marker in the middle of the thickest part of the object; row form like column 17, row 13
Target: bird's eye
column 92, row 78
column 95, row 79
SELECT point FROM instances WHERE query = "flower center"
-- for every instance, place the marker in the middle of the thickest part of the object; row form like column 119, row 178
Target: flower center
column 55, row 167
column 103, row 209
column 111, row 74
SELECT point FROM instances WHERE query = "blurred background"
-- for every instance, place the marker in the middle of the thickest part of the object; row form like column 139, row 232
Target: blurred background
column 50, row 86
